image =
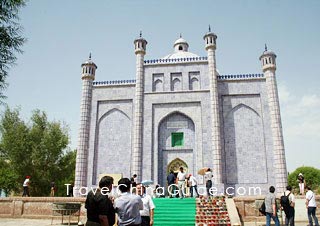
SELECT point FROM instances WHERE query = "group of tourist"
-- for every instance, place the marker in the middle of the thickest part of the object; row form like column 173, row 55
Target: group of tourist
column 182, row 179
column 137, row 208
column 287, row 202
column 131, row 209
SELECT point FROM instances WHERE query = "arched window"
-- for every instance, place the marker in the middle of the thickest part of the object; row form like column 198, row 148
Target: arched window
column 158, row 86
column 194, row 84
column 176, row 85
column 180, row 47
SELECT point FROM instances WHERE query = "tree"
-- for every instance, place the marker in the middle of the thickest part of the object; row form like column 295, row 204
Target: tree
column 8, row 178
column 311, row 176
column 67, row 164
column 38, row 149
column 11, row 40
column 13, row 139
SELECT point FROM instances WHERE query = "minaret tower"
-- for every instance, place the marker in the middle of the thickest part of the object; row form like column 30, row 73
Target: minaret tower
column 210, row 45
column 140, row 50
column 87, row 76
column 268, row 60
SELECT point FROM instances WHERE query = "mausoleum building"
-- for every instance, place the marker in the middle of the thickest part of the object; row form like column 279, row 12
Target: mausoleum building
column 179, row 111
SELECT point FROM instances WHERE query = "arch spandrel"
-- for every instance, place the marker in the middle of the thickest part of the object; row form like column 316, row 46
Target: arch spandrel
column 164, row 117
column 236, row 108
column 113, row 110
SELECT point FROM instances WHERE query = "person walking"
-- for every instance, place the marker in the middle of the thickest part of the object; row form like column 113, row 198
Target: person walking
column 311, row 206
column 209, row 184
column 271, row 207
column 301, row 183
column 181, row 177
column 100, row 211
column 288, row 206
column 171, row 184
column 193, row 185
column 25, row 186
column 208, row 179
column 127, row 205
column 148, row 206
column 53, row 189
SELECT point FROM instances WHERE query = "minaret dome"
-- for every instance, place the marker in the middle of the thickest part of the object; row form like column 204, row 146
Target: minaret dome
column 210, row 39
column 268, row 60
column 140, row 45
column 88, row 69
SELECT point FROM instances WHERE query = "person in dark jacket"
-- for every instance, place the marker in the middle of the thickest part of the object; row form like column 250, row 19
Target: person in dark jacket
column 100, row 210
column 171, row 179
column 289, row 209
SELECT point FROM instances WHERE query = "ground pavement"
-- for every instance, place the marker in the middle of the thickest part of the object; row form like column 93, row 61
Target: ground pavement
column 46, row 222
column 31, row 222
column 301, row 219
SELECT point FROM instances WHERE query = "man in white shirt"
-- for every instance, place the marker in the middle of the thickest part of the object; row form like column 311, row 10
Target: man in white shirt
column 181, row 177
column 148, row 206
column 311, row 206
column 26, row 186
column 193, row 185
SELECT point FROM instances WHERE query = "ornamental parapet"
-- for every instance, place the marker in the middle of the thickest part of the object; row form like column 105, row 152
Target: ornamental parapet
column 220, row 77
column 176, row 60
column 114, row 82
column 240, row 77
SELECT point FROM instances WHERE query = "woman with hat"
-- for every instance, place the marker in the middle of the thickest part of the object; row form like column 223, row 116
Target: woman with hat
column 301, row 183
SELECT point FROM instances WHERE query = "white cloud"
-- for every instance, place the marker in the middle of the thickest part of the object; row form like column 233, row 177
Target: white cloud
column 283, row 93
column 301, row 126
column 300, row 114
column 310, row 101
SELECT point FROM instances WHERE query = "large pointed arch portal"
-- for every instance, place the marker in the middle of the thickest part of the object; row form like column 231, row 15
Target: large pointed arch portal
column 113, row 144
column 176, row 144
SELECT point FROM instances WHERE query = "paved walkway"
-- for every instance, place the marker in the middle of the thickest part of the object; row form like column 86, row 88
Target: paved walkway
column 301, row 216
column 31, row 222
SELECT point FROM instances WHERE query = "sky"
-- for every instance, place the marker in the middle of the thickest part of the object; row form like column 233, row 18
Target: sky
column 61, row 34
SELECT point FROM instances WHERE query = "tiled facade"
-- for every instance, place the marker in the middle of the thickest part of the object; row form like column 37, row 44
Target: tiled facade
column 230, row 123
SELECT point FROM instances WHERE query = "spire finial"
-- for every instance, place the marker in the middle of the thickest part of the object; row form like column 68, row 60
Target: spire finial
column 265, row 47
column 89, row 56
column 180, row 35
column 209, row 28
column 140, row 34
